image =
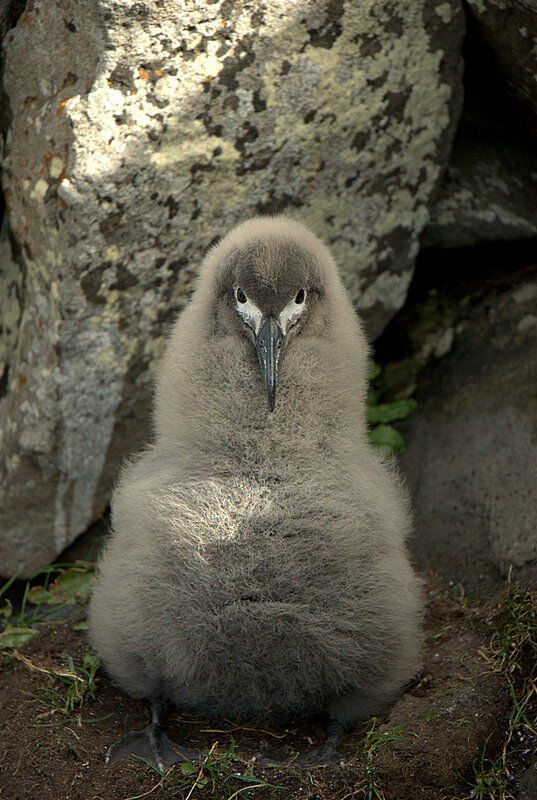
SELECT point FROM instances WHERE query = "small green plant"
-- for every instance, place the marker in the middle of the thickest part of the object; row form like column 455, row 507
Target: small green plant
column 430, row 714
column 379, row 415
column 67, row 688
column 489, row 780
column 458, row 593
column 512, row 652
column 17, row 628
column 215, row 775
column 63, row 585
column 71, row 584
column 12, row 635
column 375, row 741
column 434, row 637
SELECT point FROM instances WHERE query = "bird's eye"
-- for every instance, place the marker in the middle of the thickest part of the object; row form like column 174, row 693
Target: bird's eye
column 300, row 297
column 239, row 294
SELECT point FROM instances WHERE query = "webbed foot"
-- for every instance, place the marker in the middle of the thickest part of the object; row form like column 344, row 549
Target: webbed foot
column 323, row 756
column 152, row 745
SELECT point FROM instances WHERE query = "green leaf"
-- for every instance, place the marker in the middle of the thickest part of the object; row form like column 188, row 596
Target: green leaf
column 390, row 412
column 386, row 437
column 80, row 626
column 12, row 637
column 374, row 371
column 187, row 768
column 91, row 662
column 6, row 610
column 38, row 595
column 373, row 397
column 72, row 586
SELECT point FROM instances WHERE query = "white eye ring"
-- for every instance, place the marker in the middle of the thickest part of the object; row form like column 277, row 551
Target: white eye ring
column 290, row 315
column 246, row 309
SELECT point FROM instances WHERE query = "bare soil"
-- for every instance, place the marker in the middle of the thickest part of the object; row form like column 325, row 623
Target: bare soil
column 441, row 725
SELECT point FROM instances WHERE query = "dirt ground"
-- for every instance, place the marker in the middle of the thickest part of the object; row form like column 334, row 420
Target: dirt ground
column 427, row 747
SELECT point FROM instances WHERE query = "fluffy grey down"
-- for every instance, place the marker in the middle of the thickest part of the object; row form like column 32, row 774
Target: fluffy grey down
column 258, row 560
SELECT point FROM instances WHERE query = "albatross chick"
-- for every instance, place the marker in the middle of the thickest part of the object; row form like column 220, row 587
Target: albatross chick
column 258, row 559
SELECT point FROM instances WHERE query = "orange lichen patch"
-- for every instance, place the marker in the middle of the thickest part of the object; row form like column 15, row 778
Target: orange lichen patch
column 47, row 158
column 158, row 72
column 28, row 102
column 22, row 379
column 26, row 19
column 61, row 176
column 62, row 106
column 70, row 79
column 143, row 74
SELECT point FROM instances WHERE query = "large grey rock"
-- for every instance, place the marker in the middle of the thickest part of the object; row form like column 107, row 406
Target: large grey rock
column 488, row 193
column 471, row 457
column 142, row 131
column 509, row 28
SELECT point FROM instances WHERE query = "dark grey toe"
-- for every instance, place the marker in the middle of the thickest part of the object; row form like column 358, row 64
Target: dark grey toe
column 158, row 750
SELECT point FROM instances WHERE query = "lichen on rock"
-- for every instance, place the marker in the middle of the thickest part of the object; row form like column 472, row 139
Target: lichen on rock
column 140, row 133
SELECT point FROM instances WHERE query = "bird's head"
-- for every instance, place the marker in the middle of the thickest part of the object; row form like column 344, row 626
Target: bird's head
column 269, row 286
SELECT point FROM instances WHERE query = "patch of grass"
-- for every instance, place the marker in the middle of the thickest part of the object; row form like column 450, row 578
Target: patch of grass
column 61, row 589
column 214, row 777
column 512, row 651
column 379, row 415
column 434, row 637
column 430, row 714
column 64, row 690
column 375, row 741
column 458, row 593
column 489, row 780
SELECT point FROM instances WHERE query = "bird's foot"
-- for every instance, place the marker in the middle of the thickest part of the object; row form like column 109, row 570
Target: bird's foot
column 323, row 756
column 151, row 745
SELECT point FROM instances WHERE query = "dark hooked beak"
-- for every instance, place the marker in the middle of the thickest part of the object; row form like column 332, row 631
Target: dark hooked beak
column 269, row 345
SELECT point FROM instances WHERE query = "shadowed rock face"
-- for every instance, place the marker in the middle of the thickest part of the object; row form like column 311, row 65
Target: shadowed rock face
column 471, row 453
column 137, row 134
column 488, row 193
column 489, row 190
column 509, row 28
